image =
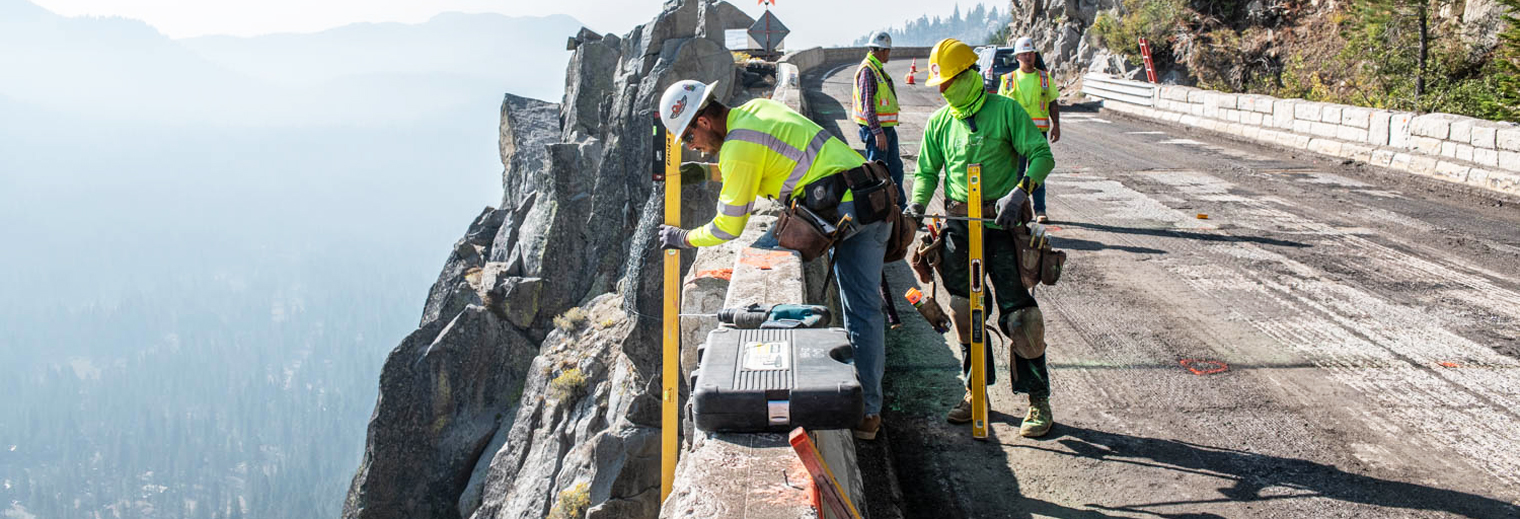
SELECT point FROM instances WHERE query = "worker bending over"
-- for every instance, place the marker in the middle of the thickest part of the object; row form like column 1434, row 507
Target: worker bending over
column 766, row 149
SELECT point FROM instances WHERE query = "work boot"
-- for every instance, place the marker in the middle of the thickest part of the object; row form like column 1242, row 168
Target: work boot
column 1039, row 419
column 868, row 427
column 962, row 411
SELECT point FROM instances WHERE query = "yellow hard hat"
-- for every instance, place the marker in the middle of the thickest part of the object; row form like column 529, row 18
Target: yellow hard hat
column 948, row 58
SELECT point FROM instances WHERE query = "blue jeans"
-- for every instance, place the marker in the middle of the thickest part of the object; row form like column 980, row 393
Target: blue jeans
column 857, row 266
column 889, row 156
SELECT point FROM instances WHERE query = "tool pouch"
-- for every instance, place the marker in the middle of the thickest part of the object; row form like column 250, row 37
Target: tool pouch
column 926, row 256
column 1051, row 263
column 934, row 314
column 875, row 192
column 1038, row 262
column 900, row 239
column 801, row 230
column 1028, row 254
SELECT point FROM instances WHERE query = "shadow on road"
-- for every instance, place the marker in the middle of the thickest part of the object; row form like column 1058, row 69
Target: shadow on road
column 1090, row 245
column 1175, row 233
column 1088, row 106
column 1247, row 474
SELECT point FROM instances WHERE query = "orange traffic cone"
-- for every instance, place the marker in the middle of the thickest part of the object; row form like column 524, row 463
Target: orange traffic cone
column 912, row 69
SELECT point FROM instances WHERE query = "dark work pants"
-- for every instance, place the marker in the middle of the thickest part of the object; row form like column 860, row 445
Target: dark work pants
column 999, row 255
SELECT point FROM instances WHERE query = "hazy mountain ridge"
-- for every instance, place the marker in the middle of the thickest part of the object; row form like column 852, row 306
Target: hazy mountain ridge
column 202, row 265
column 453, row 43
column 122, row 68
column 106, row 66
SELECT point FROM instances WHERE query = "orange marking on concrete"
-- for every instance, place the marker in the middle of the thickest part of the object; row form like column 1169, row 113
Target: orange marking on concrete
column 723, row 274
column 1449, row 364
column 763, row 259
column 1202, row 216
column 1204, row 367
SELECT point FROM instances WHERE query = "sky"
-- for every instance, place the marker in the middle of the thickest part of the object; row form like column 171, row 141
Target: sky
column 813, row 22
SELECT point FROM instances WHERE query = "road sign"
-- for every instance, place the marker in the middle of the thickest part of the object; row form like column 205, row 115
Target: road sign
column 768, row 32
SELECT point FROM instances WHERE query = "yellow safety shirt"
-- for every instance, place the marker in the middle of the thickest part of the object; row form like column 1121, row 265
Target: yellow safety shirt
column 770, row 151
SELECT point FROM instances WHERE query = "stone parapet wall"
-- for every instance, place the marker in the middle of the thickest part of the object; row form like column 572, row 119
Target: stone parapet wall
column 809, row 59
column 1454, row 148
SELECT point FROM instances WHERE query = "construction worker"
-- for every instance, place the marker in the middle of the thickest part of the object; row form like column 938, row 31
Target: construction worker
column 874, row 108
column 981, row 128
column 1030, row 85
column 766, row 149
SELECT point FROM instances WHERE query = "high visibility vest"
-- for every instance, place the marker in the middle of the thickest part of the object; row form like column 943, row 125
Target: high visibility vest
column 886, row 96
column 1034, row 99
column 772, row 151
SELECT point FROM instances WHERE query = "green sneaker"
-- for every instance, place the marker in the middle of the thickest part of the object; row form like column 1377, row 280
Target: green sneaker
column 1039, row 419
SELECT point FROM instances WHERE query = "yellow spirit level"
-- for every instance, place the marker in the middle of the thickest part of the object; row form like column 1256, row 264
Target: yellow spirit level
column 978, row 308
column 670, row 406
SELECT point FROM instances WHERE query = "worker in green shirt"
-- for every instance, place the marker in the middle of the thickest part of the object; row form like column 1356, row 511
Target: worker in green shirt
column 994, row 131
column 1031, row 87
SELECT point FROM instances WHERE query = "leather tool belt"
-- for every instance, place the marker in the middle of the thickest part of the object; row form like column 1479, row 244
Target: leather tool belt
column 811, row 224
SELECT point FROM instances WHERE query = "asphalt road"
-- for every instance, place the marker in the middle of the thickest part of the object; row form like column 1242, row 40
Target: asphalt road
column 1332, row 341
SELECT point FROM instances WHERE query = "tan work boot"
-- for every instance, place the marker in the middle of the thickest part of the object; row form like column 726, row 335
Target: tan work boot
column 961, row 413
column 868, row 427
column 1039, row 419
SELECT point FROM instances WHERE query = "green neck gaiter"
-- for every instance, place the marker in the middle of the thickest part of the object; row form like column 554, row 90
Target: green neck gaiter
column 965, row 94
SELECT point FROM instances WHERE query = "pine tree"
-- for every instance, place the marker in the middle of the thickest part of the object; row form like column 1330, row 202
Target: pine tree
column 1507, row 60
column 1397, row 37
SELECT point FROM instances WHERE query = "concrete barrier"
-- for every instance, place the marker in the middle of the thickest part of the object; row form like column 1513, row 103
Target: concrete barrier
column 808, row 60
column 1454, row 148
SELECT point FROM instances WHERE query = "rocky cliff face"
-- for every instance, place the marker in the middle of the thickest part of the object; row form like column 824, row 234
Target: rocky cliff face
column 531, row 385
column 1062, row 30
column 1059, row 28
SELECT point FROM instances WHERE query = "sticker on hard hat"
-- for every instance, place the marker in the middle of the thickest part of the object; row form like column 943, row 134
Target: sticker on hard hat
column 680, row 106
column 934, row 69
column 767, row 356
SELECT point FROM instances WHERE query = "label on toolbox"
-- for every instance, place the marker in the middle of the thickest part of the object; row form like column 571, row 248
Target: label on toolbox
column 767, row 356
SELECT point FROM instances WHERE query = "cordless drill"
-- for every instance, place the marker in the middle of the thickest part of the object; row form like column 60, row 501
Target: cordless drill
column 778, row 316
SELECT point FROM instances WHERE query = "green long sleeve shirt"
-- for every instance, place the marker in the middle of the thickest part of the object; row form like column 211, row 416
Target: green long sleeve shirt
column 1003, row 133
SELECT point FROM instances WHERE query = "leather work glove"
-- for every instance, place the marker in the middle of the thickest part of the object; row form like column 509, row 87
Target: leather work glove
column 916, row 212
column 1010, row 212
column 693, row 173
column 673, row 238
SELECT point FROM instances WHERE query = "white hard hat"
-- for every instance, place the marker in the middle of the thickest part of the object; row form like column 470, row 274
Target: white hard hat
column 681, row 102
column 1025, row 44
column 880, row 40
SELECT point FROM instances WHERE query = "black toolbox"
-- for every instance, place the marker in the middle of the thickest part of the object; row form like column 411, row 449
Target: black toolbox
column 757, row 380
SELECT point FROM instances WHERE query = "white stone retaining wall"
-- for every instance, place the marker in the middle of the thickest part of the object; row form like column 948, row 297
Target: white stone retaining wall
column 1454, row 148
